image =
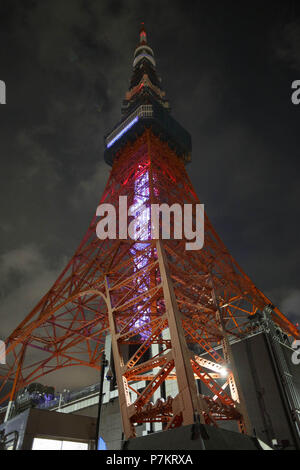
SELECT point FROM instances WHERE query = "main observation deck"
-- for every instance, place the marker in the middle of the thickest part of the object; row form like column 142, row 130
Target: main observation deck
column 161, row 123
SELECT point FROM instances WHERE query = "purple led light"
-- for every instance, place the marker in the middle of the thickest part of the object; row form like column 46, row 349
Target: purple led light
column 141, row 198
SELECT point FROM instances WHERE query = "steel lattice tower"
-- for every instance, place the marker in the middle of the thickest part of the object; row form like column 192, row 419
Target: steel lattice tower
column 145, row 292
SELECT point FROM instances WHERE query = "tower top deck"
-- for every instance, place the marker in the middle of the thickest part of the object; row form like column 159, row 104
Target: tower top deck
column 145, row 105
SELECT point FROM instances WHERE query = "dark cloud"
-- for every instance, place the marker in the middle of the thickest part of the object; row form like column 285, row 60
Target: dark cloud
column 227, row 69
column 287, row 47
column 25, row 272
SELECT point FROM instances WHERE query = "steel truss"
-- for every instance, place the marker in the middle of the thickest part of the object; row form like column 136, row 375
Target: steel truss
column 147, row 292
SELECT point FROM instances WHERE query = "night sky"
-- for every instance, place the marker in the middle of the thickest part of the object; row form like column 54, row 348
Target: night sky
column 227, row 68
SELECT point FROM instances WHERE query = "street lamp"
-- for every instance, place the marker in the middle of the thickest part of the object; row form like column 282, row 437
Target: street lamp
column 104, row 363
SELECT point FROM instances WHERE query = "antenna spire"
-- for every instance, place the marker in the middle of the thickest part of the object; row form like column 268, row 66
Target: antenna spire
column 143, row 34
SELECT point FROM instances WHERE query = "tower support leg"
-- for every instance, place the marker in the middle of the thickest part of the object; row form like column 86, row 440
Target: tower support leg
column 124, row 396
column 187, row 399
column 233, row 378
column 15, row 384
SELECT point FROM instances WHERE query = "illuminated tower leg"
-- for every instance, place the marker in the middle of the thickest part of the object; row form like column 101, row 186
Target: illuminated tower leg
column 187, row 401
column 15, row 384
column 233, row 377
column 124, row 396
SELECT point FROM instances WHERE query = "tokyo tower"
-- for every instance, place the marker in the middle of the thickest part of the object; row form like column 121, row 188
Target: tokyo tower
column 172, row 313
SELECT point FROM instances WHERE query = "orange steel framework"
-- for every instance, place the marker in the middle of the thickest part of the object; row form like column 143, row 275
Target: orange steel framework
column 193, row 298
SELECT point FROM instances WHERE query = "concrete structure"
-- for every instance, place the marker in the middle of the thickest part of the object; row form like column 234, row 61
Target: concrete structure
column 34, row 423
column 195, row 437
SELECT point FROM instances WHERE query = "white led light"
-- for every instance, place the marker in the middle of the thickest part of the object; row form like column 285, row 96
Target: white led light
column 142, row 56
column 223, row 372
column 122, row 131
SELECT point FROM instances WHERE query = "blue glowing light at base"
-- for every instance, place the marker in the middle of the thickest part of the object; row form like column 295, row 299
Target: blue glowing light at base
column 101, row 444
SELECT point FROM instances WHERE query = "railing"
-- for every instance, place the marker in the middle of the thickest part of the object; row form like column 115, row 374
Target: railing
column 9, row 441
column 63, row 399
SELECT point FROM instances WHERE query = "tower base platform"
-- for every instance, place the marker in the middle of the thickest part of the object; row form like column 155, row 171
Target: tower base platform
column 195, row 437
